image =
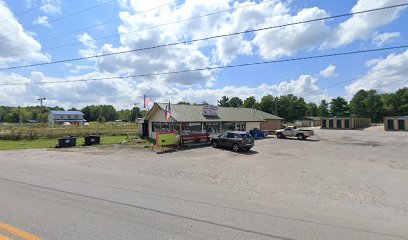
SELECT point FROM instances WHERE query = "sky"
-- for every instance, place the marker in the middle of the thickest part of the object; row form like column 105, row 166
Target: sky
column 45, row 31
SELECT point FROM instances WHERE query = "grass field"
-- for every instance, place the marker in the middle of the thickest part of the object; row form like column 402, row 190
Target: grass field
column 42, row 130
column 51, row 142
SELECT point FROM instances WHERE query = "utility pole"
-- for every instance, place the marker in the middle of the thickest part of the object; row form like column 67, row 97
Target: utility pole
column 41, row 100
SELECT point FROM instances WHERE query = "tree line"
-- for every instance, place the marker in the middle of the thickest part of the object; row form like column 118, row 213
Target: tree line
column 365, row 103
column 100, row 113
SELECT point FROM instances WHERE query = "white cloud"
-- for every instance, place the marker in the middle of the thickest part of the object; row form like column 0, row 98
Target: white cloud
column 328, row 72
column 363, row 26
column 43, row 21
column 381, row 39
column 47, row 6
column 384, row 75
column 89, row 43
column 16, row 45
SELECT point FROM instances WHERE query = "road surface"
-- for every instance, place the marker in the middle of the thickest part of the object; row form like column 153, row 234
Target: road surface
column 49, row 200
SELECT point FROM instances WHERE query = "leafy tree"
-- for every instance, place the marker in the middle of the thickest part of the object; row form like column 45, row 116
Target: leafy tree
column 223, row 102
column 184, row 103
column 339, row 107
column 250, row 102
column 323, row 109
column 135, row 114
column 101, row 119
column 204, row 103
column 268, row 104
column 367, row 104
column 311, row 110
column 235, row 102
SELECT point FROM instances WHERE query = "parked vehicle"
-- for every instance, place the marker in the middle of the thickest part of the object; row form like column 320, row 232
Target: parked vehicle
column 292, row 131
column 235, row 140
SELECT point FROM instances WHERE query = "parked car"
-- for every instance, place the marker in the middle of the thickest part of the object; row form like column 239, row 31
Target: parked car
column 292, row 131
column 235, row 140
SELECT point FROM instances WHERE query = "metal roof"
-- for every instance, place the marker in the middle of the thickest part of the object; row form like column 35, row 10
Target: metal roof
column 66, row 112
column 312, row 118
column 193, row 113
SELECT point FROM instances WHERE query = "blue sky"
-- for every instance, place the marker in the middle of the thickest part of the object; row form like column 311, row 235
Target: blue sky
column 26, row 38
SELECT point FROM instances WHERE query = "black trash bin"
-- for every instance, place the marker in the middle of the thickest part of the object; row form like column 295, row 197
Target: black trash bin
column 92, row 139
column 67, row 141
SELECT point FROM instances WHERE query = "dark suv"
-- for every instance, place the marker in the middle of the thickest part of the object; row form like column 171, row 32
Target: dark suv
column 235, row 140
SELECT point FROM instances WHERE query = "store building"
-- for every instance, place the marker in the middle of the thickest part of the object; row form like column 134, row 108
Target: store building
column 345, row 123
column 191, row 119
column 396, row 123
column 309, row 122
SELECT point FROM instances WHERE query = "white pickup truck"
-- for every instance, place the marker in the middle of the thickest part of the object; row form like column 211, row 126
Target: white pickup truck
column 292, row 131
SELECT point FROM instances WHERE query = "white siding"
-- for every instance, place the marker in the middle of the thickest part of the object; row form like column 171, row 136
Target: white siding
column 158, row 116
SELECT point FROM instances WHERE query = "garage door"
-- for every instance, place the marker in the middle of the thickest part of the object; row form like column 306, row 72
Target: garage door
column 401, row 124
column 390, row 124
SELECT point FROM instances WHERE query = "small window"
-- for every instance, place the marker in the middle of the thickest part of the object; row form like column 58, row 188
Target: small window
column 69, row 116
column 62, row 116
column 230, row 135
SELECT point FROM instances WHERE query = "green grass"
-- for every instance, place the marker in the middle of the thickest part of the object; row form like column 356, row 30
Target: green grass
column 50, row 142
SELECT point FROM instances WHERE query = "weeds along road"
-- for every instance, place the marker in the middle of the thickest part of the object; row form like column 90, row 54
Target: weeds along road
column 43, row 195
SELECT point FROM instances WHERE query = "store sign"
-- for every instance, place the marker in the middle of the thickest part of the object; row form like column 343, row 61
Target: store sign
column 209, row 110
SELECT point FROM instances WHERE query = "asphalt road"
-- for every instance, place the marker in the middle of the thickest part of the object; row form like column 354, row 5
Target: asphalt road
column 54, row 201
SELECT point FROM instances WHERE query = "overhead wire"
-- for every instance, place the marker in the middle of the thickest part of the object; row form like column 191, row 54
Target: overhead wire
column 211, row 68
column 138, row 30
column 202, row 39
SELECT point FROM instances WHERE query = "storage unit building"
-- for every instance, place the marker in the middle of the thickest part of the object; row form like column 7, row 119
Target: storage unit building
column 309, row 122
column 191, row 119
column 345, row 123
column 396, row 123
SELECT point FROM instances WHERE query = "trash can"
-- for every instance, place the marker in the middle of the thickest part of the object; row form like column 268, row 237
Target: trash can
column 92, row 139
column 67, row 141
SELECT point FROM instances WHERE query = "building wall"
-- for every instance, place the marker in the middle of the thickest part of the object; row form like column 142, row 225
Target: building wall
column 396, row 125
column 353, row 123
column 252, row 125
column 272, row 124
column 65, row 117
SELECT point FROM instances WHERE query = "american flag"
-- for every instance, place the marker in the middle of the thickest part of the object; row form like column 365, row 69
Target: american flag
column 167, row 113
column 146, row 101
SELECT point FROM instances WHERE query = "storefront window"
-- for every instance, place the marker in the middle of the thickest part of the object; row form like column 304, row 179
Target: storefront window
column 228, row 126
column 191, row 128
column 212, row 128
column 156, row 127
column 241, row 126
column 175, row 127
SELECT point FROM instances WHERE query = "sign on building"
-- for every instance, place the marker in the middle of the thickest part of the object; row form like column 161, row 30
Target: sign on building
column 210, row 110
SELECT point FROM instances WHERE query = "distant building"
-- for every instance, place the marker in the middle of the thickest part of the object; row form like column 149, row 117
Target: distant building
column 190, row 119
column 345, row 123
column 309, row 122
column 396, row 123
column 61, row 117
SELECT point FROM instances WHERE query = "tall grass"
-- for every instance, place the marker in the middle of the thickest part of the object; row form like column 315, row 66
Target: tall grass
column 42, row 130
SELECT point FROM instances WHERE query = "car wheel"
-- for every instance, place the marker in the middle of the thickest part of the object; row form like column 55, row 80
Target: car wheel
column 215, row 144
column 300, row 136
column 235, row 147
column 279, row 135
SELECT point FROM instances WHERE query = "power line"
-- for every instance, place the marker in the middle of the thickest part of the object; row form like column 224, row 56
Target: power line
column 358, row 77
column 202, row 39
column 72, row 14
column 103, row 23
column 138, row 30
column 21, row 13
column 213, row 68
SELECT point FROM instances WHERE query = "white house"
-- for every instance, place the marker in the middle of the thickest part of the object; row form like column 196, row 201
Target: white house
column 72, row 117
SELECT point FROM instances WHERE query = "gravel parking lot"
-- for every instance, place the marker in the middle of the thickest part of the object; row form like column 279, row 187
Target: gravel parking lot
column 337, row 172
